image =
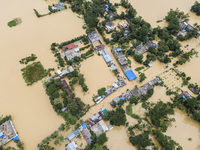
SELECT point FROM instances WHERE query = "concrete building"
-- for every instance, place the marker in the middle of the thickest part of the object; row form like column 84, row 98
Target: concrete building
column 71, row 146
column 99, row 128
column 110, row 26
column 140, row 49
column 70, row 54
column 123, row 63
column 122, row 25
column 93, row 37
column 7, row 133
column 58, row 6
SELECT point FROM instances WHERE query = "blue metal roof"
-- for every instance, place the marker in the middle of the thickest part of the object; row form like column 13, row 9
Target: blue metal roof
column 107, row 58
column 103, row 96
column 119, row 49
column 15, row 139
column 154, row 45
column 130, row 75
column 1, row 135
column 109, row 92
column 84, row 126
column 122, row 98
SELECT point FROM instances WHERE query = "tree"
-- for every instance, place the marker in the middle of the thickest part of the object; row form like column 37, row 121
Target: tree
column 141, row 140
column 138, row 58
column 133, row 99
column 102, row 139
column 74, row 80
column 81, row 79
column 84, row 87
column 119, row 117
column 142, row 77
column 102, row 91
column 96, row 147
column 196, row 8
column 90, row 19
column 159, row 115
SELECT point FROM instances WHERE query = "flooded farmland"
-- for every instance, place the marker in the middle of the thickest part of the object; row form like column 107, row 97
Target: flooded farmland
column 33, row 115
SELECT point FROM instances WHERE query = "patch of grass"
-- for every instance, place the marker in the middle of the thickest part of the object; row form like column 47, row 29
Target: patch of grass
column 14, row 22
column 33, row 73
column 158, row 21
column 129, row 110
column 139, row 68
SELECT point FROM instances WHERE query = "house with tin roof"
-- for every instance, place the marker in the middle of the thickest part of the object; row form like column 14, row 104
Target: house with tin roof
column 110, row 26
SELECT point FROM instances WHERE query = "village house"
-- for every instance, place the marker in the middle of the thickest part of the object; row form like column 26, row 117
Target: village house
column 137, row 92
column 86, row 135
column 93, row 37
column 122, row 25
column 110, row 26
column 58, row 6
column 195, row 91
column 70, row 54
column 140, row 49
column 96, row 118
column 69, row 47
column 111, row 14
column 64, row 72
column 185, row 94
column 99, row 47
column 7, row 133
column 64, row 83
column 123, row 63
column 184, row 28
column 126, row 31
column 71, row 146
column 99, row 128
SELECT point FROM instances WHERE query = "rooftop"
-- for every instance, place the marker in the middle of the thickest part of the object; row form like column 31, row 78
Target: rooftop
column 94, row 37
column 70, row 54
column 71, row 146
column 86, row 135
column 140, row 49
column 8, row 132
column 99, row 128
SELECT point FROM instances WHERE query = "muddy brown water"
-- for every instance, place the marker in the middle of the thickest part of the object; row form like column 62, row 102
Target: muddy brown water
column 33, row 115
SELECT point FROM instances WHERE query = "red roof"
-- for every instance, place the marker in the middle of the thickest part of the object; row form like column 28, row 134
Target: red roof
column 71, row 46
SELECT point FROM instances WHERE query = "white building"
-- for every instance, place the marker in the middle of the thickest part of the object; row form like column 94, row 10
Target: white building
column 70, row 54
column 110, row 26
column 71, row 146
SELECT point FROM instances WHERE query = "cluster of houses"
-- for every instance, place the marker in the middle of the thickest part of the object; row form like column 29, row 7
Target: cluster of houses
column 7, row 133
column 107, row 8
column 138, row 92
column 58, row 7
column 184, row 29
column 124, row 63
column 140, row 49
column 95, row 123
column 61, row 73
column 115, row 85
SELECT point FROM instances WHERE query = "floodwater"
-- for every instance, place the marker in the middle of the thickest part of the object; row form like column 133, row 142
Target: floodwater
column 33, row 115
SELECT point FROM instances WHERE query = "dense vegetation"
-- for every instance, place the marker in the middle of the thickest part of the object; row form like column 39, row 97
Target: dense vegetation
column 4, row 119
column 14, row 22
column 28, row 59
column 196, row 8
column 33, row 73
column 141, row 140
column 159, row 115
column 119, row 117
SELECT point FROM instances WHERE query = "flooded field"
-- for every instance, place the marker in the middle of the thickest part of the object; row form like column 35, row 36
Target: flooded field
column 33, row 115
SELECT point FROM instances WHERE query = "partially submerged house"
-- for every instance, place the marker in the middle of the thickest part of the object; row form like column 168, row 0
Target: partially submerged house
column 93, row 37
column 195, row 91
column 96, row 118
column 64, row 83
column 69, row 47
column 111, row 14
column 64, row 72
column 185, row 94
column 7, row 133
column 86, row 135
column 140, row 49
column 122, row 25
column 59, row 6
column 71, row 146
column 99, row 47
column 70, row 54
column 137, row 92
column 110, row 26
column 184, row 28
column 73, row 134
column 126, row 31
column 99, row 128
column 123, row 63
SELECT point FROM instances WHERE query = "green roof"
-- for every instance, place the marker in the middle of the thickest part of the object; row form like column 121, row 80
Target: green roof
column 104, row 111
